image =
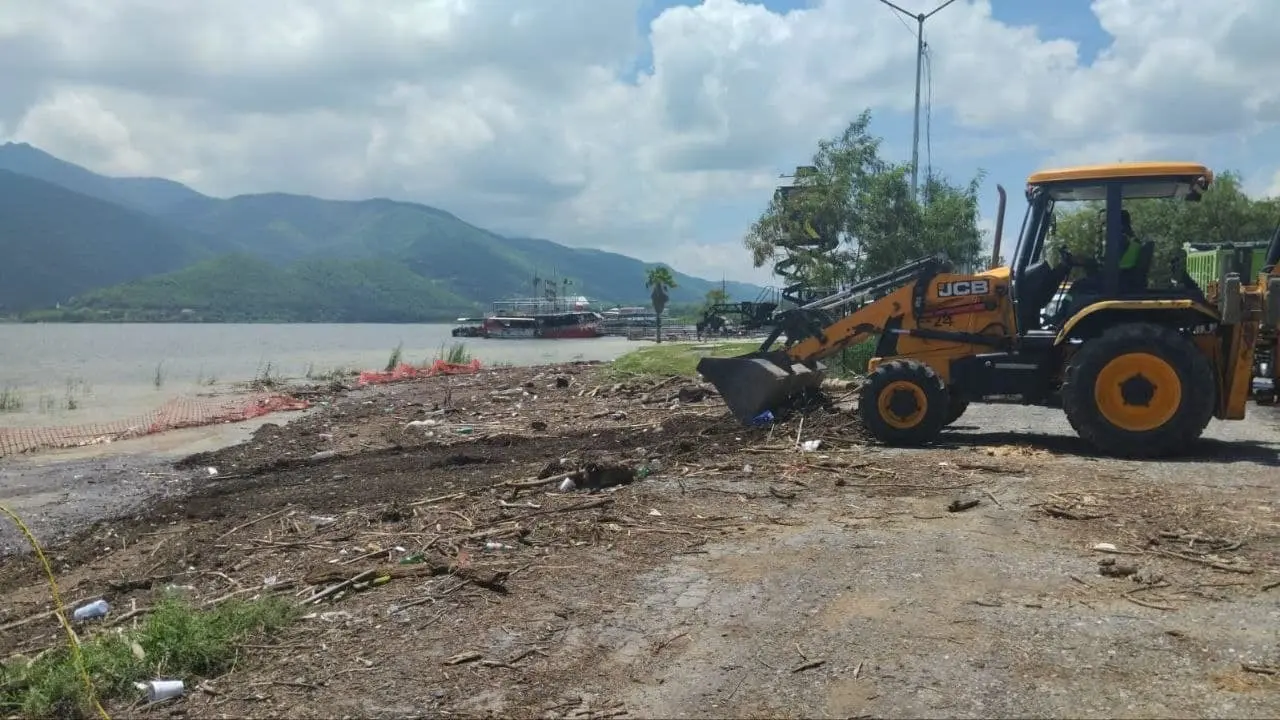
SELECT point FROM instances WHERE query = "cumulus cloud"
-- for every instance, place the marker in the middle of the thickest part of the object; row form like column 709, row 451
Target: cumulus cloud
column 1273, row 190
column 541, row 118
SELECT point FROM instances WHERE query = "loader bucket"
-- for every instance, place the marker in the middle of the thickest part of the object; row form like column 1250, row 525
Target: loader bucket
column 758, row 381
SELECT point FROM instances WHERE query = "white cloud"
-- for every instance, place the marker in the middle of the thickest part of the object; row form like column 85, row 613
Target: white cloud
column 1273, row 190
column 524, row 117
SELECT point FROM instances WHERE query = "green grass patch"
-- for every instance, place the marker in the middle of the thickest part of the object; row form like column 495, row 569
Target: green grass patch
column 673, row 358
column 267, row 377
column 396, row 356
column 176, row 642
column 852, row 361
column 456, row 354
column 337, row 374
column 10, row 399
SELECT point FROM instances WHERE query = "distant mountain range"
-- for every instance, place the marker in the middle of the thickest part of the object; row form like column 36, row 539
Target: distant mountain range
column 79, row 246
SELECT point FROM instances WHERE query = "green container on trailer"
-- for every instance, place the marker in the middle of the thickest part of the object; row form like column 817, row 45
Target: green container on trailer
column 1211, row 263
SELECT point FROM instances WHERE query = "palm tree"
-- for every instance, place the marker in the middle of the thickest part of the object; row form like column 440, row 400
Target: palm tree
column 659, row 279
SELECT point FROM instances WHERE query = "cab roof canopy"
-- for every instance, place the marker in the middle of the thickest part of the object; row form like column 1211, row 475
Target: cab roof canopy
column 1141, row 180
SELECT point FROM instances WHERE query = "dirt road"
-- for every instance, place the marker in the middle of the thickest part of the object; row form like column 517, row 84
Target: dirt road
column 735, row 576
column 996, row 612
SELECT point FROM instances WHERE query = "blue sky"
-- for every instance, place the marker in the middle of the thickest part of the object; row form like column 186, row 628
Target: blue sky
column 1069, row 19
column 951, row 154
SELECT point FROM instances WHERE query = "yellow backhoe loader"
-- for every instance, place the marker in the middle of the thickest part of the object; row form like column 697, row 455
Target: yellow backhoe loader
column 1138, row 370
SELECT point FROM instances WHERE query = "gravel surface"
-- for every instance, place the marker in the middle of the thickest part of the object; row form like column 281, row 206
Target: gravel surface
column 741, row 578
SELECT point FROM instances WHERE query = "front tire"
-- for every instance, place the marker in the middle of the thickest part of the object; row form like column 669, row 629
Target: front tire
column 1139, row 391
column 955, row 408
column 904, row 402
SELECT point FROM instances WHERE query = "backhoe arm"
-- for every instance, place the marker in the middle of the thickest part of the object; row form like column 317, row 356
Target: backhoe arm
column 867, row 321
column 765, row 379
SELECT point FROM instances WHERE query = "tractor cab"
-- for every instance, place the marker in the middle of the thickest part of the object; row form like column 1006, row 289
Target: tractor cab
column 1119, row 268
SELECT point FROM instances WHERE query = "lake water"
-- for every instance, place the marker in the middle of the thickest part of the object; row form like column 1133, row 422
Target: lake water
column 80, row 373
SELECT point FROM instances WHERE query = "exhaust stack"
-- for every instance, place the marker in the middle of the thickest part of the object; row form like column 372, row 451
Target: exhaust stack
column 999, row 234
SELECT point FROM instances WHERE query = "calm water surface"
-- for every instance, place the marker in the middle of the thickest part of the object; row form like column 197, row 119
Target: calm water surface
column 88, row 373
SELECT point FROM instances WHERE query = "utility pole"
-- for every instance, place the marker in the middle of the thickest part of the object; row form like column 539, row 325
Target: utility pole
column 915, row 134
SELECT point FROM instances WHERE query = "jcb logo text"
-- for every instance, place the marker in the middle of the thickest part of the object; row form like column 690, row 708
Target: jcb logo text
column 961, row 288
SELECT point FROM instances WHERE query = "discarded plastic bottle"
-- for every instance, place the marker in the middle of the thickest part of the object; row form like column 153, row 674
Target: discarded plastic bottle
column 96, row 609
column 413, row 559
column 762, row 419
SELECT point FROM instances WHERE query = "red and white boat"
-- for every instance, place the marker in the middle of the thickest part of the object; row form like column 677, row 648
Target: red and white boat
column 546, row 319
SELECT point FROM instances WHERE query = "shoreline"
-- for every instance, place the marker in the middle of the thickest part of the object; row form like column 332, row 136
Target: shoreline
column 72, row 376
column 691, row 561
column 59, row 492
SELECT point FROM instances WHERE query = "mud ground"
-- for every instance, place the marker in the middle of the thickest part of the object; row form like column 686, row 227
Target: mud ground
column 729, row 573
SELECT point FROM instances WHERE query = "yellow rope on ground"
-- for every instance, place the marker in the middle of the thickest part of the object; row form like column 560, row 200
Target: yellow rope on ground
column 76, row 656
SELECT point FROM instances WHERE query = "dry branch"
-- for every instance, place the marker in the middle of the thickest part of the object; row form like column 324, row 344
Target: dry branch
column 1215, row 564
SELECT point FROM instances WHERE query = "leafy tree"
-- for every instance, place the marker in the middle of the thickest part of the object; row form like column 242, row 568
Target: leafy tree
column 659, row 279
column 851, row 215
column 716, row 296
column 1224, row 215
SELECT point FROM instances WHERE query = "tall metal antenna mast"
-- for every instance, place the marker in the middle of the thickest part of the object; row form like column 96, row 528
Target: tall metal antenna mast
column 915, row 135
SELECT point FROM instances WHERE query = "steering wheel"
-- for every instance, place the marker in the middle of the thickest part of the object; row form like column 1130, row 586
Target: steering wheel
column 1090, row 264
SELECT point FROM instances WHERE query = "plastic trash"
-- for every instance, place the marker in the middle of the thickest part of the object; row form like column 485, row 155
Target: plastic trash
column 568, row 485
column 323, row 455
column 158, row 690
column 464, row 430
column 810, row 445
column 96, row 609
column 763, row 418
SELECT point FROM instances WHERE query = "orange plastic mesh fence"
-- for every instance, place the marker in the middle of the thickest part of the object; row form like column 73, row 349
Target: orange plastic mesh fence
column 409, row 372
column 177, row 413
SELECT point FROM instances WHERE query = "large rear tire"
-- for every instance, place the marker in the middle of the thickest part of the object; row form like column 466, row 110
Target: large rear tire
column 904, row 402
column 1139, row 390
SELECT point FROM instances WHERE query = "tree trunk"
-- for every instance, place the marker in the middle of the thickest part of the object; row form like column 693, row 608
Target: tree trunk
column 658, row 318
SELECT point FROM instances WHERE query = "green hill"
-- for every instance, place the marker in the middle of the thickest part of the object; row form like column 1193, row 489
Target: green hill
column 473, row 262
column 145, row 194
column 243, row 288
column 281, row 228
column 116, row 242
column 55, row 243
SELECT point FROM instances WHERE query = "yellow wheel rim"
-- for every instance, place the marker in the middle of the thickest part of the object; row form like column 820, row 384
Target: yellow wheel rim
column 902, row 404
column 1138, row 392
